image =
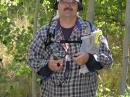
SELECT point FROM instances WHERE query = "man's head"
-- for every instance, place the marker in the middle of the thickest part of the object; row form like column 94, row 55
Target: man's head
column 80, row 6
column 68, row 8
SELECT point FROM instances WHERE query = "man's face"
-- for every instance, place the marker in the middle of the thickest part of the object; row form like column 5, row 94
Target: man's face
column 67, row 8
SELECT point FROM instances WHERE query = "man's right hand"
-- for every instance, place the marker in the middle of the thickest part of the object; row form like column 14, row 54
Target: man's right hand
column 55, row 64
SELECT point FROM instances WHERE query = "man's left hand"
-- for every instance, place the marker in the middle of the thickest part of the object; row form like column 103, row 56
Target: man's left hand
column 81, row 58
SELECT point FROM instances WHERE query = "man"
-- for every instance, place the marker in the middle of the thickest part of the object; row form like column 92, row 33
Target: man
column 67, row 71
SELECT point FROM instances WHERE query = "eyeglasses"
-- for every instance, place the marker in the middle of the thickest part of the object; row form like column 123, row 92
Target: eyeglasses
column 72, row 3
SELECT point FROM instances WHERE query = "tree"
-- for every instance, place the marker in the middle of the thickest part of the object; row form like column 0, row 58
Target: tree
column 126, row 44
column 128, row 31
column 91, row 10
column 35, row 28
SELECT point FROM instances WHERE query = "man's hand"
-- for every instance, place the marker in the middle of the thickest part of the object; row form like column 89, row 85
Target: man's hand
column 81, row 58
column 55, row 64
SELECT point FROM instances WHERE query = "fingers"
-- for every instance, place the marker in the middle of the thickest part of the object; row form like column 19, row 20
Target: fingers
column 77, row 54
column 55, row 65
column 81, row 58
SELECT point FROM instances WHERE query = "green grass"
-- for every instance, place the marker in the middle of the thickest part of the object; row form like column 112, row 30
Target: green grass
column 17, row 88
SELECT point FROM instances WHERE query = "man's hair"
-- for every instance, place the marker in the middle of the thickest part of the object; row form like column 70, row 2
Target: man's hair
column 80, row 5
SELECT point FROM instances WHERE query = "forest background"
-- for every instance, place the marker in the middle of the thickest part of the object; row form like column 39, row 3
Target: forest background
column 17, row 30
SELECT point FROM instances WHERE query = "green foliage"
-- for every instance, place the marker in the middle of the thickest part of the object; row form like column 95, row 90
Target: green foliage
column 3, row 76
column 16, row 33
column 20, row 87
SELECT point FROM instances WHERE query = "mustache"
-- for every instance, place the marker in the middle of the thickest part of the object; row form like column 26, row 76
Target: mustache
column 67, row 8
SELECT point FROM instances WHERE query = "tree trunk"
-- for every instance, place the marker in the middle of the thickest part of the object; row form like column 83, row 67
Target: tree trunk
column 34, row 93
column 128, row 31
column 126, row 43
column 91, row 12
